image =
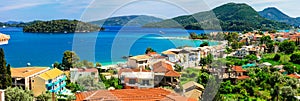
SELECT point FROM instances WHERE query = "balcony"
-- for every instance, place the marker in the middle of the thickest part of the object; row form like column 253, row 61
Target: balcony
column 127, row 84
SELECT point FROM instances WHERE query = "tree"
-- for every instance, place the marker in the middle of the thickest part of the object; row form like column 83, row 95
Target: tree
column 289, row 68
column 74, row 87
column 98, row 64
column 5, row 79
column 70, row 58
column 178, row 68
column 287, row 47
column 44, row 97
column 89, row 83
column 288, row 93
column 205, row 43
column 295, row 58
column 18, row 94
column 251, row 57
column 149, row 49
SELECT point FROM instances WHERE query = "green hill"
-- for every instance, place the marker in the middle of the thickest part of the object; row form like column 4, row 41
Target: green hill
column 273, row 13
column 60, row 26
column 132, row 20
column 231, row 16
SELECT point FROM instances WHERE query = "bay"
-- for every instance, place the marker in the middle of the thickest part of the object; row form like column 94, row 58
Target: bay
column 107, row 47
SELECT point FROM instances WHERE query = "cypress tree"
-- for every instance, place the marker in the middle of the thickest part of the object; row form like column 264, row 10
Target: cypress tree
column 5, row 79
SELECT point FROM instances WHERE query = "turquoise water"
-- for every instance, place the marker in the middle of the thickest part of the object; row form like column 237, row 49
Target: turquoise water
column 106, row 47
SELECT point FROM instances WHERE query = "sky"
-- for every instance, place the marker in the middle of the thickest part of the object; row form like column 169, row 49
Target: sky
column 91, row 10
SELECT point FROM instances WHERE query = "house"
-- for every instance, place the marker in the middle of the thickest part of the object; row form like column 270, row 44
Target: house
column 164, row 74
column 52, row 80
column 139, row 61
column 240, row 72
column 21, row 77
column 171, row 55
column 233, row 73
column 193, row 90
column 294, row 75
column 150, row 94
column 2, row 96
column 76, row 73
column 136, row 78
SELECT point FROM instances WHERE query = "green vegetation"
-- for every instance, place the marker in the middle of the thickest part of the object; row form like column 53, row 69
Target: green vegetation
column 112, row 82
column 69, row 60
column 60, row 26
column 18, row 94
column 287, row 47
column 205, row 43
column 230, row 17
column 5, row 78
column 89, row 83
column 189, row 74
column 194, row 35
column 262, row 84
column 44, row 97
column 74, row 87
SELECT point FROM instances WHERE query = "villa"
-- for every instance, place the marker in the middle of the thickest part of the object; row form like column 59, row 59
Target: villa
column 76, row 73
column 150, row 94
column 52, row 80
column 164, row 74
column 140, row 61
column 22, row 77
column 193, row 90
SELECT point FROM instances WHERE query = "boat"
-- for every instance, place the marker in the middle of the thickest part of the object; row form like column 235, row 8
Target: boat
column 4, row 39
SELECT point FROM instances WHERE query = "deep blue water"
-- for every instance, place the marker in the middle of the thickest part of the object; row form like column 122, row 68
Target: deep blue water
column 106, row 47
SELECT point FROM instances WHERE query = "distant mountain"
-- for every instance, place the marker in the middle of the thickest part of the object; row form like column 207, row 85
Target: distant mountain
column 231, row 16
column 133, row 20
column 273, row 13
column 13, row 22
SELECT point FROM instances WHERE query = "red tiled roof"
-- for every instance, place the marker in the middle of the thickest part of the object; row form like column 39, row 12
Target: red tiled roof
column 151, row 53
column 243, row 77
column 238, row 68
column 151, row 94
column 172, row 73
column 294, row 76
column 163, row 67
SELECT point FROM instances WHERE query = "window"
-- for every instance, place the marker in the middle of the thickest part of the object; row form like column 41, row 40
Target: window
column 145, row 82
column 80, row 75
column 32, row 80
column 93, row 73
column 132, row 81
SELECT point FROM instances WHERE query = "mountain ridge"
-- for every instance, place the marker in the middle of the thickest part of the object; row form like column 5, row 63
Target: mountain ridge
column 230, row 16
column 273, row 13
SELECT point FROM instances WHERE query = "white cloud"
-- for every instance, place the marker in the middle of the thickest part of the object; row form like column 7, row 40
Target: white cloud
column 8, row 7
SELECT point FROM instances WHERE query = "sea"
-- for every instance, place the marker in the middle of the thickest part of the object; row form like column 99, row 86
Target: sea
column 107, row 47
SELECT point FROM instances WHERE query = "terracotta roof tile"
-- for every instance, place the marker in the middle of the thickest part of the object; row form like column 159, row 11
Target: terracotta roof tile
column 238, row 69
column 243, row 77
column 172, row 73
column 294, row 76
column 151, row 94
column 163, row 67
column 26, row 71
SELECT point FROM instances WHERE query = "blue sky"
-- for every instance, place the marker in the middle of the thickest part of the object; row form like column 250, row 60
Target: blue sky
column 89, row 10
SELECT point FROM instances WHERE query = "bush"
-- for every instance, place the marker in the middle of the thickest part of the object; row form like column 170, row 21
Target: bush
column 295, row 58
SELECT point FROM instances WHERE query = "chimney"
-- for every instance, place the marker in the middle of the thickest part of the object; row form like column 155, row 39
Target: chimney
column 2, row 95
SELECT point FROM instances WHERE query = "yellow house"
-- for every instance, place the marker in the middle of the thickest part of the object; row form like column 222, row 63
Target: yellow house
column 52, row 81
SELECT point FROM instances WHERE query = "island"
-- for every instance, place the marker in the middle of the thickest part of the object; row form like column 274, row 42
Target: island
column 60, row 26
